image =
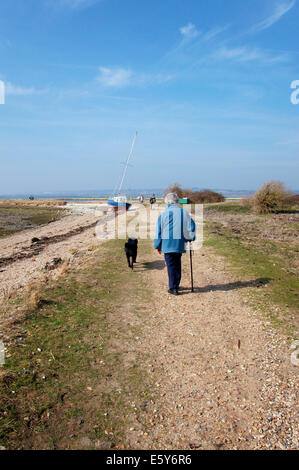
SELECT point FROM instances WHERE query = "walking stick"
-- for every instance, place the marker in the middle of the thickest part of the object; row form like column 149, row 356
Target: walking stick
column 191, row 267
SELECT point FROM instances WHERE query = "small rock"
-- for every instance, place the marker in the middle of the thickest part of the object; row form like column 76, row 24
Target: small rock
column 52, row 264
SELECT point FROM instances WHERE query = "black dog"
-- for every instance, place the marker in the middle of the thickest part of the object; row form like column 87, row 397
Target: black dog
column 131, row 251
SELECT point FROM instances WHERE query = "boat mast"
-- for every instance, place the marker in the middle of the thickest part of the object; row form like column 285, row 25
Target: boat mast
column 127, row 163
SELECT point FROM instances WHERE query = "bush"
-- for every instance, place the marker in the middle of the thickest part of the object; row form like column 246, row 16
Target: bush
column 199, row 197
column 207, row 196
column 292, row 200
column 270, row 197
column 175, row 188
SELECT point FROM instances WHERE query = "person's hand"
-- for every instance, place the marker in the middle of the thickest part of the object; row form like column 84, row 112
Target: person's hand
column 159, row 251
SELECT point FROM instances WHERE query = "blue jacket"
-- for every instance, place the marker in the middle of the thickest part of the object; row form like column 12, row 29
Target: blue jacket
column 174, row 228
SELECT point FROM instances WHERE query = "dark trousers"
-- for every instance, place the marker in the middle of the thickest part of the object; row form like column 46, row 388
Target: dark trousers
column 174, row 268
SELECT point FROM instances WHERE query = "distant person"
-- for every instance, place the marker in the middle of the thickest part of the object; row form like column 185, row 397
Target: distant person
column 141, row 198
column 153, row 201
column 174, row 229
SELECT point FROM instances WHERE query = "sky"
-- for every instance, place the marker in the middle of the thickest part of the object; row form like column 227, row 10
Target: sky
column 207, row 85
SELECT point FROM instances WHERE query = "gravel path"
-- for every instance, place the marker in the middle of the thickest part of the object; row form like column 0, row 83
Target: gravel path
column 223, row 376
column 225, row 379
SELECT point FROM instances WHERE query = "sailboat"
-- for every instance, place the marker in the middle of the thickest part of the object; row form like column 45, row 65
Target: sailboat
column 121, row 201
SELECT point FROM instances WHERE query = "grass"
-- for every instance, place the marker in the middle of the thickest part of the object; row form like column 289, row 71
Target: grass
column 234, row 207
column 17, row 218
column 237, row 207
column 262, row 259
column 67, row 377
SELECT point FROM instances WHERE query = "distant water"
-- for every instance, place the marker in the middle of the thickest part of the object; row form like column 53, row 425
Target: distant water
column 105, row 193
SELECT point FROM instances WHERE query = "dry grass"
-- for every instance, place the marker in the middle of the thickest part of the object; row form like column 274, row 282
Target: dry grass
column 65, row 268
column 33, row 297
column 34, row 203
column 6, row 377
column 15, row 307
column 246, row 201
column 292, row 201
column 92, row 247
column 33, row 301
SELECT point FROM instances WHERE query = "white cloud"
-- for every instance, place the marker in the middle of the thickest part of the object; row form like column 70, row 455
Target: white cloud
column 212, row 33
column 73, row 4
column 11, row 89
column 152, row 79
column 208, row 48
column 225, row 53
column 122, row 78
column 189, row 31
column 247, row 54
column 114, row 77
column 280, row 10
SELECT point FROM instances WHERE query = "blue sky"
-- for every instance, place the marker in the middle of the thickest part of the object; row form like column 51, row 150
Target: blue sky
column 206, row 83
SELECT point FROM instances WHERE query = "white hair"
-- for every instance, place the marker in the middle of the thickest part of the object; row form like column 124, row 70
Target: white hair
column 171, row 198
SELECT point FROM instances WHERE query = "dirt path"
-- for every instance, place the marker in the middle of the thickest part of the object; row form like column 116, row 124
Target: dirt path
column 225, row 379
column 220, row 376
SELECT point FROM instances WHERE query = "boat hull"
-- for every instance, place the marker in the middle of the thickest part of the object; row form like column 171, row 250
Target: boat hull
column 116, row 204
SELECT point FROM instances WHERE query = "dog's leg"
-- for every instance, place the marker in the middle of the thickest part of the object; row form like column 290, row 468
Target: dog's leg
column 128, row 259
